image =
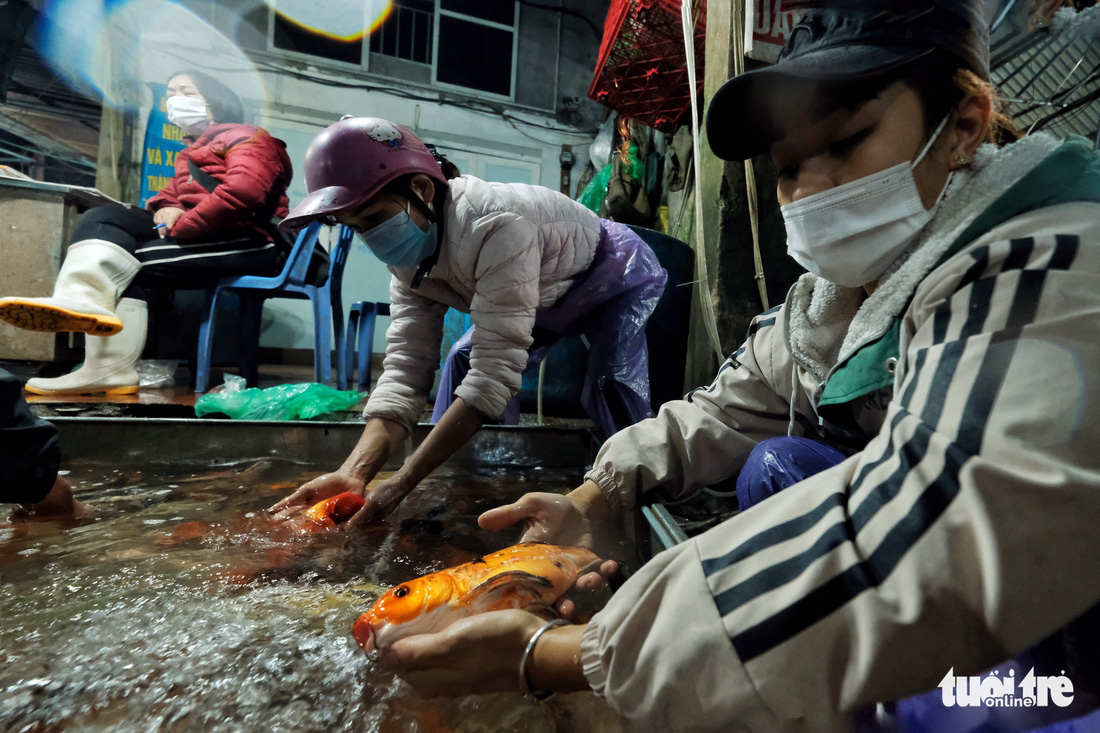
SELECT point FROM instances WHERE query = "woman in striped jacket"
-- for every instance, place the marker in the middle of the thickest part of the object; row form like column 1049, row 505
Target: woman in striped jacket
column 934, row 378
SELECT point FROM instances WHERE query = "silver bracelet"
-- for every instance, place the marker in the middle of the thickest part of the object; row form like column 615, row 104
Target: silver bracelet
column 524, row 682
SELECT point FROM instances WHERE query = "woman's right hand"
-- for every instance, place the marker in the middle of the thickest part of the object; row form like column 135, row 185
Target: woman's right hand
column 319, row 489
column 167, row 216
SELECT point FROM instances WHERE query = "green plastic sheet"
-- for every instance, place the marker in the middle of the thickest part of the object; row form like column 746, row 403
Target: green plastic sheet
column 285, row 402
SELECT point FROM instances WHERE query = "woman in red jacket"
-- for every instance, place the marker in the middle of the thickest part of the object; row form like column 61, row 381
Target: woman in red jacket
column 212, row 219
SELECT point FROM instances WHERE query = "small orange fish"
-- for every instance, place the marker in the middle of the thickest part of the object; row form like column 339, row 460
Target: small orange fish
column 523, row 576
column 325, row 515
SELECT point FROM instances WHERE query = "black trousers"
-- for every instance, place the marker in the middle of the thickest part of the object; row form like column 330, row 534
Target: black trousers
column 30, row 451
column 175, row 264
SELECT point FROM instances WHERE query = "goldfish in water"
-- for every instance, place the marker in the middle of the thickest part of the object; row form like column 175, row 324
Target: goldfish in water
column 325, row 515
column 320, row 518
column 529, row 575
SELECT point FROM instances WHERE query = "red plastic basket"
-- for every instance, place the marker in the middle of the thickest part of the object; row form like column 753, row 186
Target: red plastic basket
column 642, row 72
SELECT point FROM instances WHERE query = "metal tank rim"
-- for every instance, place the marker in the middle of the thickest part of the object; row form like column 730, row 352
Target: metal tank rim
column 169, row 440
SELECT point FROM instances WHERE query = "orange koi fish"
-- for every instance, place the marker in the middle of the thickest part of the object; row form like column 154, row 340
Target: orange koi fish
column 318, row 519
column 325, row 515
column 530, row 575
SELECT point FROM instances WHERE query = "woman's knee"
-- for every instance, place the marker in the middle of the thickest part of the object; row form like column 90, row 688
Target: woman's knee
column 778, row 463
column 773, row 455
column 113, row 224
column 98, row 215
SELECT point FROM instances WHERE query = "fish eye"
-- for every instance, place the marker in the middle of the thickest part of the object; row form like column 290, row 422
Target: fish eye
column 400, row 592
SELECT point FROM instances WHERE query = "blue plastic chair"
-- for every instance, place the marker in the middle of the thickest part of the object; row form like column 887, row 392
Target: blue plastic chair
column 328, row 310
column 361, row 329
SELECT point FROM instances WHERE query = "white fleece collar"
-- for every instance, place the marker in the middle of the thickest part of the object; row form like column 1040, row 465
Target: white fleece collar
column 1080, row 24
column 826, row 323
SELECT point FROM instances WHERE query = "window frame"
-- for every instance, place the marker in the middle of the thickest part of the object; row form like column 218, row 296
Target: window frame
column 514, row 29
column 431, row 43
column 364, row 65
column 364, row 51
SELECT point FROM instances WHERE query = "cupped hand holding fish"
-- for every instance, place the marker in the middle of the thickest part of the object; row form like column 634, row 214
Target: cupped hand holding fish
column 481, row 654
column 374, row 502
column 464, row 629
column 530, row 576
column 331, row 513
column 319, row 489
column 381, row 499
column 380, row 439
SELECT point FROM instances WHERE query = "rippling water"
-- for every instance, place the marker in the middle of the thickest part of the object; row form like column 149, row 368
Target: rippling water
column 177, row 606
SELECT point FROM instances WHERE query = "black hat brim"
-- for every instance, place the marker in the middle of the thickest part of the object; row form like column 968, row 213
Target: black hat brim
column 742, row 117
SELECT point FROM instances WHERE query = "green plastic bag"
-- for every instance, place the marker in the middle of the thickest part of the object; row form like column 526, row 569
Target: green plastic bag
column 285, row 402
column 593, row 193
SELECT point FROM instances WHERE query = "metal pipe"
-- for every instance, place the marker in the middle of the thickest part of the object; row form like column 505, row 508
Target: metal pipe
column 542, row 376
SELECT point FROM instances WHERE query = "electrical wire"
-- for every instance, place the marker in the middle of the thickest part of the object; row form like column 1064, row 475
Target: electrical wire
column 479, row 107
column 1057, row 99
column 75, row 162
column 1071, row 111
column 1050, row 62
column 565, row 11
column 1040, row 44
column 552, row 143
column 706, row 300
column 1050, row 97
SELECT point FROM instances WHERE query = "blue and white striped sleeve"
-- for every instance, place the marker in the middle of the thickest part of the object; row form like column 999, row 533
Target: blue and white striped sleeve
column 961, row 535
column 706, row 437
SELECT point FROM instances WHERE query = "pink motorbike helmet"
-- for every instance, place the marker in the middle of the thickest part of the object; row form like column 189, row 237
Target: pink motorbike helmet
column 353, row 160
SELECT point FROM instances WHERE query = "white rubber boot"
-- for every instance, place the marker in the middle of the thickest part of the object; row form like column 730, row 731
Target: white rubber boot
column 109, row 361
column 92, row 278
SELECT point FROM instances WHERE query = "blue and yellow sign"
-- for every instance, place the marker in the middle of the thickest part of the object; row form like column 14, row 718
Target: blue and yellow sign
column 163, row 141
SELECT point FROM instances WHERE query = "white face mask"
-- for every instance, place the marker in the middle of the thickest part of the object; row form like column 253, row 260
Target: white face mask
column 851, row 234
column 188, row 113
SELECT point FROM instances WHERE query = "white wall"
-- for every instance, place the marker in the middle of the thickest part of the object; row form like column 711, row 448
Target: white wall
column 298, row 110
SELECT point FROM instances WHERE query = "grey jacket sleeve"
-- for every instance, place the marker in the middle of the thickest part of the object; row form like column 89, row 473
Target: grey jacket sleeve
column 961, row 535
column 706, row 437
column 506, row 294
column 30, row 451
column 412, row 357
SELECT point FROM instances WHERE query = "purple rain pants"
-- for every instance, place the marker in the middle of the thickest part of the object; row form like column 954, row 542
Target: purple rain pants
column 610, row 304
column 778, row 463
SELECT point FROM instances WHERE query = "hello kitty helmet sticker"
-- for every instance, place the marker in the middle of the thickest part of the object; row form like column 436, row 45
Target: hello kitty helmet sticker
column 353, row 160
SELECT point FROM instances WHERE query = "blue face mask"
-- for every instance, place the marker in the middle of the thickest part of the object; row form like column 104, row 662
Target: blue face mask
column 399, row 242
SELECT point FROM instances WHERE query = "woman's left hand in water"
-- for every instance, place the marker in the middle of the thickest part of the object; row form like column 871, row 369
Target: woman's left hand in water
column 381, row 499
column 476, row 655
